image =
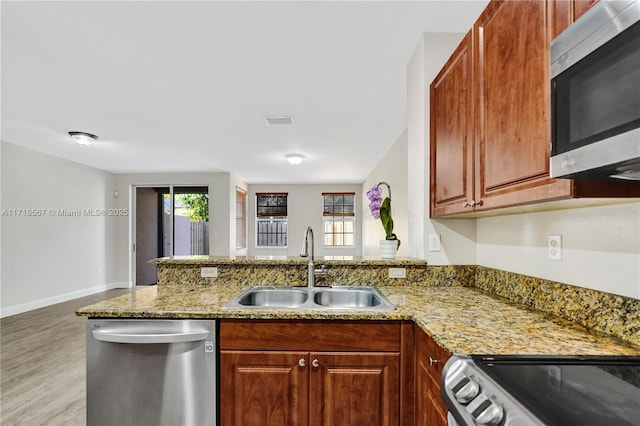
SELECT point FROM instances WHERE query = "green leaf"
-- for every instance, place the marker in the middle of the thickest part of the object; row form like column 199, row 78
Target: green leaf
column 196, row 206
column 385, row 217
column 387, row 221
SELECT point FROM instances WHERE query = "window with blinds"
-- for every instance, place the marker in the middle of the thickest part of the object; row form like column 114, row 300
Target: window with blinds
column 241, row 218
column 271, row 219
column 339, row 219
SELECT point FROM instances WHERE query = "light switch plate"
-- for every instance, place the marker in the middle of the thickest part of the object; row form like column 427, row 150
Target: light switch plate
column 434, row 242
column 209, row 272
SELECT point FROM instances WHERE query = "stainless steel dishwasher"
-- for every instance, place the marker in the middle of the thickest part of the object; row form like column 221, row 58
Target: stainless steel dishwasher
column 151, row 372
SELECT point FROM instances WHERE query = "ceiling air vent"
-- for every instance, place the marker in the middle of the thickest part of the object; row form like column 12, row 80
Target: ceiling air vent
column 279, row 120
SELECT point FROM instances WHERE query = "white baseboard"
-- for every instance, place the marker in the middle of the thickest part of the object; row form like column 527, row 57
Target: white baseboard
column 41, row 303
column 121, row 284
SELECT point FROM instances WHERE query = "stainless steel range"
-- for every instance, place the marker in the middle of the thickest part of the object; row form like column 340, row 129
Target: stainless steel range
column 542, row 390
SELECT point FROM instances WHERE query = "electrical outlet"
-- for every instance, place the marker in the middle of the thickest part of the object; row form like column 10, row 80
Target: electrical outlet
column 397, row 272
column 554, row 247
column 209, row 272
column 434, row 242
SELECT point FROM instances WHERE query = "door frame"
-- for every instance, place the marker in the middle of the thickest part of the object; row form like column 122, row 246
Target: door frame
column 133, row 218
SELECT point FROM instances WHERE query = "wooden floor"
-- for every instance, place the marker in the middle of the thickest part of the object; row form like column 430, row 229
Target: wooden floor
column 43, row 367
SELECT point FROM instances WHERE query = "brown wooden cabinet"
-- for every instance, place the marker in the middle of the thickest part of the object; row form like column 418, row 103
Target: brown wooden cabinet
column 354, row 388
column 512, row 109
column 490, row 116
column 309, row 372
column 565, row 12
column 581, row 6
column 263, row 388
column 430, row 359
column 452, row 133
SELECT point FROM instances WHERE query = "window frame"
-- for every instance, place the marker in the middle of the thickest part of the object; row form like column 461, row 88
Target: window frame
column 277, row 215
column 241, row 218
column 333, row 215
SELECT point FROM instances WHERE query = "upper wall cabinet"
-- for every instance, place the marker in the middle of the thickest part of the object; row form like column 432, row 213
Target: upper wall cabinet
column 490, row 116
column 565, row 12
column 452, row 133
column 511, row 82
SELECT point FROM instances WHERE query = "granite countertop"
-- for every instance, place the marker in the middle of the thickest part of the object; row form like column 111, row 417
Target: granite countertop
column 460, row 319
column 285, row 260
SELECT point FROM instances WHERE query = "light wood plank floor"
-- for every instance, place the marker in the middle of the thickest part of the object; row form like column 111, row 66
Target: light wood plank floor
column 43, row 364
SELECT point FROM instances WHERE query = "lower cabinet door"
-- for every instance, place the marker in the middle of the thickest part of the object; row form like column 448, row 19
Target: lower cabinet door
column 430, row 359
column 429, row 411
column 354, row 388
column 275, row 388
column 264, row 388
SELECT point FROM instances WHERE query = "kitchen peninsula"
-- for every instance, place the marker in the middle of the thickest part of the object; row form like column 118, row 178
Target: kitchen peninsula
column 452, row 304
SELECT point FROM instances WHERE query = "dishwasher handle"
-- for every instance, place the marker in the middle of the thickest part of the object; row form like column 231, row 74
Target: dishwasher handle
column 137, row 337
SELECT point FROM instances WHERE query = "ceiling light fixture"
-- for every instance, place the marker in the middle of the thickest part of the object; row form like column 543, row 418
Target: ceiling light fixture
column 83, row 138
column 294, row 158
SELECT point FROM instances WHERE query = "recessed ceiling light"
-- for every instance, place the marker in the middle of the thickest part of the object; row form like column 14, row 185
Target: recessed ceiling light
column 279, row 120
column 294, row 158
column 83, row 138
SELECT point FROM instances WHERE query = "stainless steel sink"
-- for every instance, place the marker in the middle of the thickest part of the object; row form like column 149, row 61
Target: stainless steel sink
column 320, row 298
column 273, row 297
column 344, row 298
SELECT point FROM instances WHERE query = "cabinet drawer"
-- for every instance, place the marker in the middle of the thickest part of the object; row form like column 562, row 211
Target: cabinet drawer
column 310, row 335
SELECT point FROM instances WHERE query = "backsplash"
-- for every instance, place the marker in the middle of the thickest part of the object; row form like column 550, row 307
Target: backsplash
column 612, row 314
column 338, row 273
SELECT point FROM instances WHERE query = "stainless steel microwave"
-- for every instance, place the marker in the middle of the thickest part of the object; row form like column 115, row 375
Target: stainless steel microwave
column 595, row 95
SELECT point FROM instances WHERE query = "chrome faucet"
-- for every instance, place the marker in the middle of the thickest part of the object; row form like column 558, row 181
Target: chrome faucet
column 304, row 252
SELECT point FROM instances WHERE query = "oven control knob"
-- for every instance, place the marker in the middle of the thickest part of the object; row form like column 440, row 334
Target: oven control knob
column 485, row 412
column 465, row 390
column 492, row 416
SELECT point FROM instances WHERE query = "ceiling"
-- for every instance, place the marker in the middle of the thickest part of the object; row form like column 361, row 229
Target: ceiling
column 176, row 86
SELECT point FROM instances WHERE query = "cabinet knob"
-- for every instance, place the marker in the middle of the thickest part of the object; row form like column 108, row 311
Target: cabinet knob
column 302, row 362
column 433, row 361
column 479, row 203
column 315, row 363
column 466, row 204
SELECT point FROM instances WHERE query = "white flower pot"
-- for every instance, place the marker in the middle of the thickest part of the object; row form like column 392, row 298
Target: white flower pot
column 388, row 249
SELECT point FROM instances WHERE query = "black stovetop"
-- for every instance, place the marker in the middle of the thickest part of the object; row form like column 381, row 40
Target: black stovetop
column 571, row 390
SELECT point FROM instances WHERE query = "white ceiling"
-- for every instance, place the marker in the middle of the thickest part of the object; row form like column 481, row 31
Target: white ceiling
column 180, row 86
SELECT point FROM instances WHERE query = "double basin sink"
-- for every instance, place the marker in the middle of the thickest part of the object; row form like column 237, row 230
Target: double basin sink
column 337, row 297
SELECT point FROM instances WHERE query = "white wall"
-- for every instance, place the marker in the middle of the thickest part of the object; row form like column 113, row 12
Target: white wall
column 600, row 245
column 457, row 236
column 52, row 258
column 304, row 209
column 392, row 169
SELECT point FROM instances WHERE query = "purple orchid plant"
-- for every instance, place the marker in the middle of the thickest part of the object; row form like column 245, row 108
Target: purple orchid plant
column 381, row 209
